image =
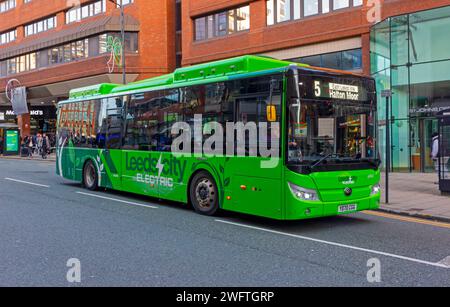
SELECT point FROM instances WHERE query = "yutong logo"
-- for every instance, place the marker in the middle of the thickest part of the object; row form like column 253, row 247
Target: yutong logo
column 156, row 171
column 347, row 180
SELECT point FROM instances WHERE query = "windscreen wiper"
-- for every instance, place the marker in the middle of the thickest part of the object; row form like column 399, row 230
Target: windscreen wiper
column 374, row 163
column 325, row 158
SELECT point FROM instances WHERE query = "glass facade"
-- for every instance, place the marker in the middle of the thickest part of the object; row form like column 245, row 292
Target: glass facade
column 410, row 56
column 350, row 60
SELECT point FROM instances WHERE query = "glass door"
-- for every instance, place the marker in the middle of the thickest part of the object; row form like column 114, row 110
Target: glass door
column 427, row 128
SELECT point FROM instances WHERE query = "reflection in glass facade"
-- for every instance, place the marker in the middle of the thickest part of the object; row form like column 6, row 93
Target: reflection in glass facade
column 350, row 60
column 410, row 55
column 222, row 23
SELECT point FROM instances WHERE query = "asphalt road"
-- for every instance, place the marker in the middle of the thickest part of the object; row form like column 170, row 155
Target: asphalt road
column 126, row 240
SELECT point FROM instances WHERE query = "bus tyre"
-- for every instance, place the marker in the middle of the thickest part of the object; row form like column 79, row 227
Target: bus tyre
column 203, row 194
column 90, row 176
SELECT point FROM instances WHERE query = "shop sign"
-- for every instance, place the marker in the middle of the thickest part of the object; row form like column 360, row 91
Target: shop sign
column 428, row 110
column 32, row 113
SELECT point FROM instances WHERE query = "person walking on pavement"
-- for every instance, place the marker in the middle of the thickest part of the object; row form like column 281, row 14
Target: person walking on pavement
column 45, row 146
column 29, row 145
column 39, row 143
column 440, row 150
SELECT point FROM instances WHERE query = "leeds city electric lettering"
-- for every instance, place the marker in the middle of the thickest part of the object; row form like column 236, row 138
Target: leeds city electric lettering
column 156, row 171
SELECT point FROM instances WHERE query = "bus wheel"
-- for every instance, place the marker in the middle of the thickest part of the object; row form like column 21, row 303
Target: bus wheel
column 90, row 176
column 203, row 194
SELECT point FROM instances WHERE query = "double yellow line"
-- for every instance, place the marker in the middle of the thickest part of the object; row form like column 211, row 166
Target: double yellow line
column 407, row 219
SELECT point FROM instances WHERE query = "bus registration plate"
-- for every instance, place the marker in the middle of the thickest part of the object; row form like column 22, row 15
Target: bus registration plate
column 347, row 208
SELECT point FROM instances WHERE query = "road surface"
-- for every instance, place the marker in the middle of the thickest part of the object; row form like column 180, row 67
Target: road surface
column 125, row 240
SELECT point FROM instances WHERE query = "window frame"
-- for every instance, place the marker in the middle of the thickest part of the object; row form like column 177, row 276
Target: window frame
column 215, row 33
column 302, row 16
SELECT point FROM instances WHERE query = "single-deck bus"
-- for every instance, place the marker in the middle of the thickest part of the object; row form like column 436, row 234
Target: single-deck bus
column 313, row 153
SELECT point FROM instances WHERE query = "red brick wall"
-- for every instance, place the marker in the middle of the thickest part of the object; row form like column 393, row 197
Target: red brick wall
column 340, row 24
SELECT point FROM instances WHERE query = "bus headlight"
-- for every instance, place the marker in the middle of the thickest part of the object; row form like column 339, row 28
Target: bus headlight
column 304, row 194
column 376, row 189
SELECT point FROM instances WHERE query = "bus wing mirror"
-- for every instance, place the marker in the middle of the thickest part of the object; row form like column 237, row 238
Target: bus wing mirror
column 271, row 112
column 293, row 80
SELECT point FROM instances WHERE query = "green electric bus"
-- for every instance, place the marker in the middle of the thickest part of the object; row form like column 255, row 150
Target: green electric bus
column 313, row 153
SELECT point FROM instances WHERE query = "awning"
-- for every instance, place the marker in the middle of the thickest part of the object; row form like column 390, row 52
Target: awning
column 78, row 31
column 8, row 126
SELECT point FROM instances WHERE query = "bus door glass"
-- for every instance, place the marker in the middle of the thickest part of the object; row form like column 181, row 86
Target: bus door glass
column 256, row 180
column 113, row 110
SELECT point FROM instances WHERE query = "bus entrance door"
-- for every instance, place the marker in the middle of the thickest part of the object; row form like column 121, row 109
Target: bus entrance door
column 255, row 190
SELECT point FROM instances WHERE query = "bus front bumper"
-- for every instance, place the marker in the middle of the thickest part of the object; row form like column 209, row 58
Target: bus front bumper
column 298, row 210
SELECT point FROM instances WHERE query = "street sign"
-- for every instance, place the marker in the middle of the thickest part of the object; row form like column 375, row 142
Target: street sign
column 386, row 93
column 19, row 100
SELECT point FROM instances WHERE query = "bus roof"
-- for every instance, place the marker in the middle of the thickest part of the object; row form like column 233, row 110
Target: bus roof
column 219, row 70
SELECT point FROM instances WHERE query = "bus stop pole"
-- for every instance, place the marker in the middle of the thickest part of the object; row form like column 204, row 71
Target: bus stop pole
column 388, row 149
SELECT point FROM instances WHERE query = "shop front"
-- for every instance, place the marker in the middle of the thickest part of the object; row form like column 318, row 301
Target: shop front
column 410, row 56
column 42, row 118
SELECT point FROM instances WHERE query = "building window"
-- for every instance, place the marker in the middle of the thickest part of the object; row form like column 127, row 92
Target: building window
column 131, row 42
column 222, row 23
column 311, row 7
column 285, row 10
column 40, row 26
column 21, row 63
column 200, row 26
column 7, row 5
column 8, row 37
column 349, row 60
column 124, row 2
column 340, row 4
column 85, row 11
column 69, row 52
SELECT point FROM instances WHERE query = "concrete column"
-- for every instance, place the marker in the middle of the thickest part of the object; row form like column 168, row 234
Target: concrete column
column 23, row 121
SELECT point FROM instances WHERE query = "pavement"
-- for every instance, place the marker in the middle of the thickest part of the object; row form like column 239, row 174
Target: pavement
column 416, row 195
column 122, row 239
column 50, row 158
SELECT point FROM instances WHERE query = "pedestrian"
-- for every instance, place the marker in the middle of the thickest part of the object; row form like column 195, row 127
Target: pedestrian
column 29, row 144
column 34, row 138
column 39, row 143
column 440, row 151
column 45, row 145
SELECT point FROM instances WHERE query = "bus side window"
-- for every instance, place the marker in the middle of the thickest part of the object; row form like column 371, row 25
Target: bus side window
column 171, row 112
column 142, row 120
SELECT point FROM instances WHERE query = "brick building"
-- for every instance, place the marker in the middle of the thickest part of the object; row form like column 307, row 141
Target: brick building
column 53, row 46
column 405, row 48
column 312, row 31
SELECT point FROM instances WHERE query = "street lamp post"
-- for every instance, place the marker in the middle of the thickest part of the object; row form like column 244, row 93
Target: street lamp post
column 122, row 31
column 388, row 95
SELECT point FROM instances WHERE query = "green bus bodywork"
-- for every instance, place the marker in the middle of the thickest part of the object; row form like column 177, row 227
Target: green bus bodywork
column 266, row 191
